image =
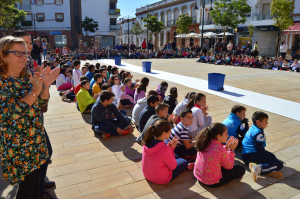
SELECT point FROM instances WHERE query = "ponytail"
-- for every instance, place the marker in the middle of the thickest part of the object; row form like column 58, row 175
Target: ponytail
column 149, row 135
column 206, row 135
column 156, row 130
column 194, row 100
column 143, row 85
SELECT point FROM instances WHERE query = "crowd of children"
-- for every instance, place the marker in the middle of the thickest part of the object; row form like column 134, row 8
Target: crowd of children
column 175, row 136
column 249, row 61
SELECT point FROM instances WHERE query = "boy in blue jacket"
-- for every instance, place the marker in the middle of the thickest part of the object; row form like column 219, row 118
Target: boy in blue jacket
column 237, row 123
column 260, row 161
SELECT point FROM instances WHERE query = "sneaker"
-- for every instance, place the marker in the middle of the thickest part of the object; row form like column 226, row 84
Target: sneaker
column 105, row 135
column 255, row 170
column 275, row 174
column 191, row 166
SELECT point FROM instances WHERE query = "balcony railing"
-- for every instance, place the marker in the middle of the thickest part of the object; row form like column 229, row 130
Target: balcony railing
column 261, row 17
column 115, row 27
column 25, row 7
column 114, row 11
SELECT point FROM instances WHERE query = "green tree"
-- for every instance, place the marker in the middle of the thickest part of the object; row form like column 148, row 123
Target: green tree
column 154, row 26
column 137, row 29
column 10, row 16
column 228, row 13
column 281, row 11
column 183, row 21
column 89, row 25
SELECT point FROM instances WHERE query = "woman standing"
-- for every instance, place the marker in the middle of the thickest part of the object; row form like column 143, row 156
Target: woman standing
column 44, row 45
column 22, row 146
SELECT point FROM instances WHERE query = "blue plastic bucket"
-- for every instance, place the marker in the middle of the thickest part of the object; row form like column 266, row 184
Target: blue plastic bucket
column 117, row 60
column 216, row 81
column 146, row 66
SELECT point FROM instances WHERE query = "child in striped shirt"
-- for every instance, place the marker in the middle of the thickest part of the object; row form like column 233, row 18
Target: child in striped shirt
column 185, row 145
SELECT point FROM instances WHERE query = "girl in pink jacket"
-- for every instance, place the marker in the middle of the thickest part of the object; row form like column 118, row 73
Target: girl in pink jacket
column 159, row 163
column 214, row 163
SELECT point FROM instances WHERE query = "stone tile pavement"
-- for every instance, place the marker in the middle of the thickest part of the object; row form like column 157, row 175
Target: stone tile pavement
column 87, row 167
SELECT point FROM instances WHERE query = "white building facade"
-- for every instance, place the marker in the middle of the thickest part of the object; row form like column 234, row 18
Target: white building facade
column 48, row 19
column 105, row 12
column 167, row 11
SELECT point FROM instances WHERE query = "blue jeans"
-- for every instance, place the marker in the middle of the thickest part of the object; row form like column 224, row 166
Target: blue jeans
column 181, row 150
column 105, row 128
column 181, row 166
column 45, row 53
column 268, row 161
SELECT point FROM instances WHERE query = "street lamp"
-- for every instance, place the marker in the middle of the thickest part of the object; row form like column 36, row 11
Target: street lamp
column 128, row 18
column 203, row 9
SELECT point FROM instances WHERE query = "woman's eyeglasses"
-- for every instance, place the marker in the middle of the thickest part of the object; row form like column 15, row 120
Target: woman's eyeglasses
column 18, row 53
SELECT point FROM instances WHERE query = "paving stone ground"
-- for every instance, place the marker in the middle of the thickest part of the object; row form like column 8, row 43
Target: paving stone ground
column 88, row 167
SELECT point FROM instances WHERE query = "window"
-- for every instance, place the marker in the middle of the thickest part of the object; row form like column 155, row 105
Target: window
column 59, row 2
column 59, row 17
column 28, row 17
column 39, row 2
column 40, row 16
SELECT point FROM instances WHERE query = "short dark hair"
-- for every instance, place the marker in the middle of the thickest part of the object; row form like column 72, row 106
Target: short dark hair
column 152, row 99
column 82, row 78
column 84, row 82
column 105, row 86
column 101, row 70
column 97, row 76
column 237, row 109
column 106, row 95
column 76, row 63
column 127, row 80
column 113, row 70
column 90, row 67
column 152, row 92
column 160, row 107
column 98, row 65
column 185, row 111
column 259, row 115
column 20, row 34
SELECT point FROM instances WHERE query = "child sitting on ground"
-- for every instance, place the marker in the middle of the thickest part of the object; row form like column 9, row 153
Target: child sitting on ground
column 236, row 123
column 140, row 105
column 171, row 99
column 148, row 111
column 201, row 119
column 161, row 89
column 185, row 147
column 107, row 119
column 84, row 100
column 214, row 165
column 260, row 161
column 98, row 81
column 141, row 89
column 159, row 163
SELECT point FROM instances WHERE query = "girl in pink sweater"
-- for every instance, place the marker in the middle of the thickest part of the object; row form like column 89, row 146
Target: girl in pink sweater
column 159, row 163
column 214, row 163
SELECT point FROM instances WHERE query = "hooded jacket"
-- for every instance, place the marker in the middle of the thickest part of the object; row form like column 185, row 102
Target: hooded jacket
column 158, row 162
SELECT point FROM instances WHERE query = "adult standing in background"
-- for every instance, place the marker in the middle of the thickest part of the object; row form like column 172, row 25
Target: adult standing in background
column 283, row 49
column 23, row 145
column 36, row 51
column 44, row 45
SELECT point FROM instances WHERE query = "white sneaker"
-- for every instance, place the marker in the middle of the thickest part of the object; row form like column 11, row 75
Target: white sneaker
column 255, row 170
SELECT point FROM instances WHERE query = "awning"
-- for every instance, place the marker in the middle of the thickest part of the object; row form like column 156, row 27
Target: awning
column 293, row 30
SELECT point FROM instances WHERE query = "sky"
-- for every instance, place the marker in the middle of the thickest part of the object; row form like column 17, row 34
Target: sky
column 128, row 7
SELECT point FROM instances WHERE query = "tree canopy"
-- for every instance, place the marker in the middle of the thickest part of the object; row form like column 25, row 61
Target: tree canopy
column 230, row 13
column 153, row 24
column 89, row 25
column 10, row 16
column 183, row 21
column 137, row 29
column 281, row 11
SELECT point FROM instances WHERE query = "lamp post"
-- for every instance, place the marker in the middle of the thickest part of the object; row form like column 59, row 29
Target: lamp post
column 202, row 21
column 127, row 18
